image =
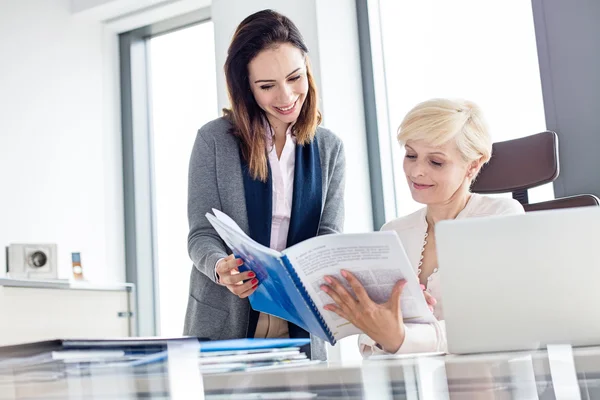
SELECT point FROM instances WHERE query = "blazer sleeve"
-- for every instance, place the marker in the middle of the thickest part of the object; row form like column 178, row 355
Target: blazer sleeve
column 332, row 217
column 419, row 338
column 205, row 247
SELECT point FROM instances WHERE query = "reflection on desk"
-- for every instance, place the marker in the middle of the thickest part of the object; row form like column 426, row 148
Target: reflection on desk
column 559, row 372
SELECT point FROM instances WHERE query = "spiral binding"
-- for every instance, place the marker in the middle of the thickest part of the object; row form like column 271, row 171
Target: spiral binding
column 304, row 293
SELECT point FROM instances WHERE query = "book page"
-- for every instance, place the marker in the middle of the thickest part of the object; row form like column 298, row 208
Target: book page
column 229, row 231
column 276, row 293
column 377, row 259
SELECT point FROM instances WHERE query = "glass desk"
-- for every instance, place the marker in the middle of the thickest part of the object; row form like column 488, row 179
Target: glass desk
column 557, row 373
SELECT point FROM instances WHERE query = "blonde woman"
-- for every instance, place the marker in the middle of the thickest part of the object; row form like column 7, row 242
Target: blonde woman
column 446, row 142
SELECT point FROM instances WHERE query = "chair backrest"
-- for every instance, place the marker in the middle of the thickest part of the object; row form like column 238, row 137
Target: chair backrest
column 521, row 164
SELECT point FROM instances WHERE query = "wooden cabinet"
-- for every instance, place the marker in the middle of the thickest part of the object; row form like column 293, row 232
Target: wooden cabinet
column 41, row 310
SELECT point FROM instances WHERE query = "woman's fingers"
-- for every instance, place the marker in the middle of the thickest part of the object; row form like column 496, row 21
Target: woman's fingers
column 430, row 299
column 248, row 292
column 229, row 264
column 236, row 279
column 357, row 287
column 240, row 290
column 334, row 295
column 337, row 310
column 242, row 284
column 338, row 292
column 394, row 301
column 228, row 271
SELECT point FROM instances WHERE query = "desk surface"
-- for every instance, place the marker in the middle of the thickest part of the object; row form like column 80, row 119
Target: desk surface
column 560, row 372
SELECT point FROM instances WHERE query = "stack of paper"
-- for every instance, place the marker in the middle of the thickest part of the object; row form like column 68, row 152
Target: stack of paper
column 77, row 357
column 252, row 355
column 243, row 355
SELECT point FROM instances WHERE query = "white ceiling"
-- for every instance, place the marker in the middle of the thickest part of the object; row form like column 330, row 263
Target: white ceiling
column 125, row 15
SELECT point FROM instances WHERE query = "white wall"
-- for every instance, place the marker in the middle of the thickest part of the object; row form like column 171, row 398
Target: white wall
column 60, row 143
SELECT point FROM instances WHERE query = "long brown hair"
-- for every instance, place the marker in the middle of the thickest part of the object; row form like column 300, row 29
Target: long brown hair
column 262, row 30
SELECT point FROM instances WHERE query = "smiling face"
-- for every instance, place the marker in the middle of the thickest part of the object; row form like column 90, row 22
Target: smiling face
column 278, row 82
column 437, row 174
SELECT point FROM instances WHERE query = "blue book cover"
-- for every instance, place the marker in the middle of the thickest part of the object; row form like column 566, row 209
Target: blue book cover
column 290, row 281
column 250, row 344
column 279, row 292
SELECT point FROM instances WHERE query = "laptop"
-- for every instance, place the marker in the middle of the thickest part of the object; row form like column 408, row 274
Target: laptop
column 521, row 282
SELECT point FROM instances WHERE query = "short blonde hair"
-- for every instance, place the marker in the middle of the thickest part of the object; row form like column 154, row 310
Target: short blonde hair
column 438, row 121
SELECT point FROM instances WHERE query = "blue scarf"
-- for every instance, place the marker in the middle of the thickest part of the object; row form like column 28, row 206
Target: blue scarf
column 306, row 210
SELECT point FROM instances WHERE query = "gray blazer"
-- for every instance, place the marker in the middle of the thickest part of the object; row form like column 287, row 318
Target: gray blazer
column 216, row 181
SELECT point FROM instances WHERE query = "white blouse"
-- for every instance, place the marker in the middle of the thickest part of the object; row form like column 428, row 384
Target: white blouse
column 282, row 170
column 412, row 230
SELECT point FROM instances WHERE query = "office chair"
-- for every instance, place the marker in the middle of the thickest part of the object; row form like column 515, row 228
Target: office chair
column 521, row 164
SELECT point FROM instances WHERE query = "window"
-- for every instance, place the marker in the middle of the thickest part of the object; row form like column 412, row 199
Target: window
column 482, row 51
column 168, row 91
column 183, row 94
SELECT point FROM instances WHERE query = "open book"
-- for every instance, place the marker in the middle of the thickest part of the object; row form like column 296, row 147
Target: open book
column 290, row 280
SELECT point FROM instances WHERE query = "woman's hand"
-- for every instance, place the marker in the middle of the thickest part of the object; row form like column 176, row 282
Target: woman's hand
column 431, row 301
column 381, row 322
column 230, row 277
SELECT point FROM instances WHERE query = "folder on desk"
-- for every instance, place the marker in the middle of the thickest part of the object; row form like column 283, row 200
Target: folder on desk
column 145, row 345
column 130, row 344
column 251, row 344
column 250, row 348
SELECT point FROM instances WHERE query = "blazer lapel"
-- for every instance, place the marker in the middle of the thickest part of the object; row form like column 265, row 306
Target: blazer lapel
column 308, row 191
